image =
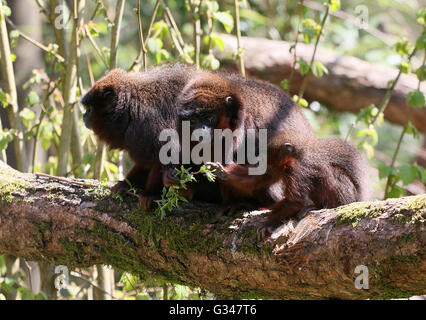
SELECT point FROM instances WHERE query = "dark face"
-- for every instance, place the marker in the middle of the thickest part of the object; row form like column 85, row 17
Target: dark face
column 207, row 113
column 99, row 104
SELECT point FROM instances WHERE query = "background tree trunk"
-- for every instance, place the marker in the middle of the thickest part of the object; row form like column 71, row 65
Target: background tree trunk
column 315, row 256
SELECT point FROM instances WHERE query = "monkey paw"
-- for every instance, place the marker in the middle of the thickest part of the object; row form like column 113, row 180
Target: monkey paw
column 120, row 187
column 219, row 170
column 146, row 202
column 267, row 229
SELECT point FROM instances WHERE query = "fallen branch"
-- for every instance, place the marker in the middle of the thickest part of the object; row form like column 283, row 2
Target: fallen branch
column 46, row 219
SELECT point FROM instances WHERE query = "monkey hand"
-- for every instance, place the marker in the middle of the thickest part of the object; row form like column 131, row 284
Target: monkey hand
column 146, row 202
column 120, row 187
column 219, row 170
column 169, row 177
column 268, row 228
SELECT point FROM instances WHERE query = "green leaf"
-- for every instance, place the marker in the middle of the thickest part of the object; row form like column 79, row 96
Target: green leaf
column 154, row 45
column 395, row 192
column 226, row 19
column 405, row 67
column 415, row 99
column 412, row 131
column 371, row 133
column 162, row 55
column 4, row 98
column 318, row 69
column 5, row 138
column 384, row 170
column 335, row 5
column 5, row 10
column 285, row 84
column 408, row 173
column 403, row 47
column 300, row 101
column 421, row 73
column 303, row 66
column 421, row 173
column 421, row 42
column 32, row 98
column 161, row 29
column 310, row 30
column 368, row 148
column 210, row 62
column 27, row 115
column 215, row 42
column 14, row 36
column 40, row 296
column 211, row 6
column 421, row 16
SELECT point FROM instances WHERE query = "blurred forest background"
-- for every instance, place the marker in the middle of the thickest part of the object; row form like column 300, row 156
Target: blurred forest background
column 52, row 51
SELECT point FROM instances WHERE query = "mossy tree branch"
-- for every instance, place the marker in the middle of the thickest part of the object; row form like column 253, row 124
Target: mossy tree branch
column 65, row 222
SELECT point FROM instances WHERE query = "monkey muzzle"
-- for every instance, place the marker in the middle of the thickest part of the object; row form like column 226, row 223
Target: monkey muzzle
column 86, row 117
column 85, row 101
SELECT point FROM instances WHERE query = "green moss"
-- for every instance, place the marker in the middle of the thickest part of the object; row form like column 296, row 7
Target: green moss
column 381, row 270
column 10, row 184
column 407, row 210
column 355, row 212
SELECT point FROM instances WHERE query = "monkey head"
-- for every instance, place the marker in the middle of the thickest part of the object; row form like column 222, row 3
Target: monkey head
column 105, row 114
column 211, row 102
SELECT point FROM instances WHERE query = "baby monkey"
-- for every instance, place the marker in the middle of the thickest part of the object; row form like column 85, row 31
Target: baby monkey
column 316, row 173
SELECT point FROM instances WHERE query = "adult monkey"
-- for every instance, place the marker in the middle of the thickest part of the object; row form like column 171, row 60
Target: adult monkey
column 128, row 111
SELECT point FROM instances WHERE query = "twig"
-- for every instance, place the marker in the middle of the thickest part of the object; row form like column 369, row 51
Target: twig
column 240, row 51
column 305, row 79
column 296, row 41
column 388, row 182
column 95, row 46
column 9, row 83
column 151, row 23
column 196, row 24
column 34, row 42
column 142, row 42
column 63, row 179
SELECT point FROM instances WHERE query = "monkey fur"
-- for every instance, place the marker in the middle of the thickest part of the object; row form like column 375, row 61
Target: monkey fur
column 305, row 172
column 316, row 173
column 229, row 101
column 128, row 111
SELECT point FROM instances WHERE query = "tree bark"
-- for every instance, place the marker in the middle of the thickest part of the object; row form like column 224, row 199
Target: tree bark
column 351, row 85
column 64, row 222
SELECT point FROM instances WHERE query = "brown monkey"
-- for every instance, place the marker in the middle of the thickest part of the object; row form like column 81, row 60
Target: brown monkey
column 128, row 111
column 324, row 172
column 327, row 173
column 228, row 101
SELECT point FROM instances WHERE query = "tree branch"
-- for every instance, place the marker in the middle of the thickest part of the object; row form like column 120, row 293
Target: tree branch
column 63, row 222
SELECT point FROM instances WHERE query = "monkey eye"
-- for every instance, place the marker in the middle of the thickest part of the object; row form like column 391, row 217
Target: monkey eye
column 107, row 93
column 228, row 100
